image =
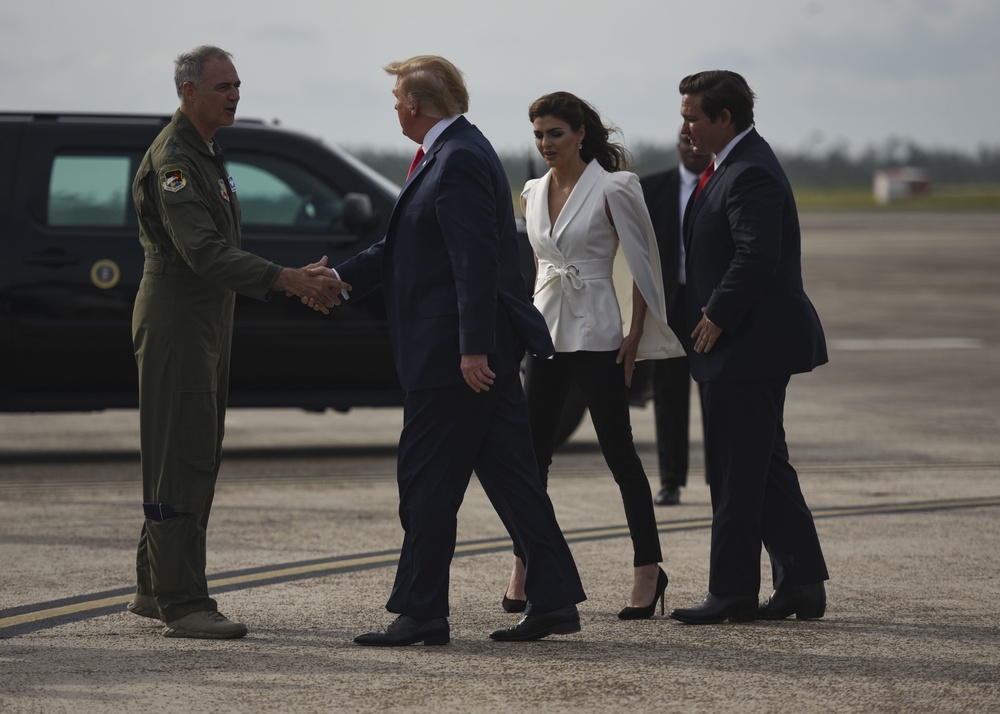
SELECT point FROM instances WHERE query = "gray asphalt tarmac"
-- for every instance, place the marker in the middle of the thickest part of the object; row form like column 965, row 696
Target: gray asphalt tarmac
column 896, row 444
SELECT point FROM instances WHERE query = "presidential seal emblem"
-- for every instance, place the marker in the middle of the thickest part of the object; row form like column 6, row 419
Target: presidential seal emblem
column 105, row 274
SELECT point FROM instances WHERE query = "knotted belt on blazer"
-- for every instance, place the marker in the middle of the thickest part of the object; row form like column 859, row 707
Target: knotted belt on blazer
column 572, row 277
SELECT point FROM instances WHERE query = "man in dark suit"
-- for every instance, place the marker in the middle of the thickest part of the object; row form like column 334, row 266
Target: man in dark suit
column 460, row 321
column 752, row 327
column 667, row 194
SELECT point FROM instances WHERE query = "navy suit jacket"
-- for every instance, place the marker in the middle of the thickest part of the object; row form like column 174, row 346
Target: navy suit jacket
column 744, row 265
column 449, row 267
column 660, row 191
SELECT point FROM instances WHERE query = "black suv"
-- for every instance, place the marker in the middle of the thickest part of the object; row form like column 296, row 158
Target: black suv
column 70, row 264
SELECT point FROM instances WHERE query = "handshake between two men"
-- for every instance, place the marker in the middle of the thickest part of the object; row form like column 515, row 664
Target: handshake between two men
column 315, row 284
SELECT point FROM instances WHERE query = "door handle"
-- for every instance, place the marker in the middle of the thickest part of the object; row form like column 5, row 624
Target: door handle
column 53, row 259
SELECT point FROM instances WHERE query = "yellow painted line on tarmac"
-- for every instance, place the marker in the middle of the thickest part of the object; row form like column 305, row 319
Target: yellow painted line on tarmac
column 325, row 566
column 56, row 612
column 889, row 508
column 337, row 565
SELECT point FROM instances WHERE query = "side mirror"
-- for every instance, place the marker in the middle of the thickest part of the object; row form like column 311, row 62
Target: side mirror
column 358, row 215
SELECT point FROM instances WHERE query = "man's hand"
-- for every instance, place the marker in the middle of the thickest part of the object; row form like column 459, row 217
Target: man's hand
column 477, row 373
column 315, row 284
column 706, row 334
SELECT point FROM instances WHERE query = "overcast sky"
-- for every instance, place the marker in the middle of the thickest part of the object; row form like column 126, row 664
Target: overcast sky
column 826, row 72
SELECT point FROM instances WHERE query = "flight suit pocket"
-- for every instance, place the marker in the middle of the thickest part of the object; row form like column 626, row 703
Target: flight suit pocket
column 198, row 425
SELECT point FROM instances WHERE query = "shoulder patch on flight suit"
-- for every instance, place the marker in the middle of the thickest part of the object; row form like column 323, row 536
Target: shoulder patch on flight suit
column 173, row 180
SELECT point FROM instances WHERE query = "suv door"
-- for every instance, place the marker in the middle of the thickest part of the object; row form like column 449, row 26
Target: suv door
column 74, row 262
column 293, row 213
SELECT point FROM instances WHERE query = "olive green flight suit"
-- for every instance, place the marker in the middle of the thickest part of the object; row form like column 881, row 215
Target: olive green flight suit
column 182, row 325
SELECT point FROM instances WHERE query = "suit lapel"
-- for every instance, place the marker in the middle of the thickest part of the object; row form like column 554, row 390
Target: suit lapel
column 586, row 184
column 428, row 160
column 453, row 128
column 694, row 206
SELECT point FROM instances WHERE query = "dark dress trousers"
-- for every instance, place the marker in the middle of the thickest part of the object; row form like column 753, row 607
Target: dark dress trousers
column 744, row 266
column 450, row 272
column 671, row 377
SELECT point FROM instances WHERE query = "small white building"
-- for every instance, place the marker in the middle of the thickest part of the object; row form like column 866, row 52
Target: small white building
column 899, row 182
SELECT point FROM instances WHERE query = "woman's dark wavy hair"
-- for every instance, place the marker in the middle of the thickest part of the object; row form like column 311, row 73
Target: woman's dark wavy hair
column 574, row 111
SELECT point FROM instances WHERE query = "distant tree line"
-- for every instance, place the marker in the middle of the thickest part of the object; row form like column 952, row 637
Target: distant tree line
column 834, row 168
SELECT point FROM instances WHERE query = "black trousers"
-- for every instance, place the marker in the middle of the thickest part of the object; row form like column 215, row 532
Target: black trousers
column 602, row 383
column 448, row 433
column 672, row 405
column 756, row 498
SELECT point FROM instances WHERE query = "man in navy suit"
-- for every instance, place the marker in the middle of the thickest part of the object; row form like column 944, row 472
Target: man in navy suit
column 752, row 327
column 460, row 321
column 667, row 194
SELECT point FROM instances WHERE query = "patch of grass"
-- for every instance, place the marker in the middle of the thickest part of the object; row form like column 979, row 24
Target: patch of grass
column 944, row 198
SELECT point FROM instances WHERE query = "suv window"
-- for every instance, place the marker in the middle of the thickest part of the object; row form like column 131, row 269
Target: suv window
column 89, row 191
column 276, row 193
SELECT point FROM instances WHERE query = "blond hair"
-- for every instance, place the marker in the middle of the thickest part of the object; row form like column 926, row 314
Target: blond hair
column 432, row 82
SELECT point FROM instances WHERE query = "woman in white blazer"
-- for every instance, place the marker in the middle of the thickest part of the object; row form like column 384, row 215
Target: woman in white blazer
column 589, row 228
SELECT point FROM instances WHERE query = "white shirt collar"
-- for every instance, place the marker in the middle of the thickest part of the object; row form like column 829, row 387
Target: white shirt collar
column 435, row 131
column 721, row 156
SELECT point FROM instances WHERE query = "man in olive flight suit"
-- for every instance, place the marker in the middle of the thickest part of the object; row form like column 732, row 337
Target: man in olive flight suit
column 189, row 228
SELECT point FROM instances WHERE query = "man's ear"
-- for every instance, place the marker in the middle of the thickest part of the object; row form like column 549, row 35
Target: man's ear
column 725, row 117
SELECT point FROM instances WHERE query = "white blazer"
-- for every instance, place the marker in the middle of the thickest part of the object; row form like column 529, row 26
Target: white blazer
column 583, row 292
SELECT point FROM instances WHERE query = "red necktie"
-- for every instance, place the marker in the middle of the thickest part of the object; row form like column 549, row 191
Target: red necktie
column 416, row 160
column 705, row 176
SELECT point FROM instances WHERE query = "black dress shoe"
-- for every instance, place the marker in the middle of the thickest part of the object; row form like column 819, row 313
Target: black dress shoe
column 535, row 627
column 511, row 605
column 716, row 608
column 407, row 631
column 668, row 496
column 806, row 602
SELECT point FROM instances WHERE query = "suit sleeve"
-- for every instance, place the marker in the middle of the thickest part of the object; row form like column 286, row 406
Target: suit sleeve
column 364, row 271
column 755, row 204
column 466, row 207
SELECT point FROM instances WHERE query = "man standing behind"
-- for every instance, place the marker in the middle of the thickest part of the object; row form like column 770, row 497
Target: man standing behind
column 753, row 327
column 189, row 228
column 667, row 194
column 460, row 320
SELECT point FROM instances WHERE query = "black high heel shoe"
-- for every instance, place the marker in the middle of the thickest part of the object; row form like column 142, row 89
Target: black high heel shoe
column 643, row 613
column 510, row 605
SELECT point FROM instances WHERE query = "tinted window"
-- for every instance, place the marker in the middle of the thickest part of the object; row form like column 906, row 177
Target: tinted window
column 89, row 191
column 277, row 193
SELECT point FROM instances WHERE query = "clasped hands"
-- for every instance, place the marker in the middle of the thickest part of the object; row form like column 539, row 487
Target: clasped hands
column 315, row 284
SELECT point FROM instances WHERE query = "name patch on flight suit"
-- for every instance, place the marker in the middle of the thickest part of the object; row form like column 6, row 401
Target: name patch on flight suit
column 174, row 181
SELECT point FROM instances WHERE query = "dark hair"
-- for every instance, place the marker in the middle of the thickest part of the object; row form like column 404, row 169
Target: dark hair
column 596, row 139
column 721, row 89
